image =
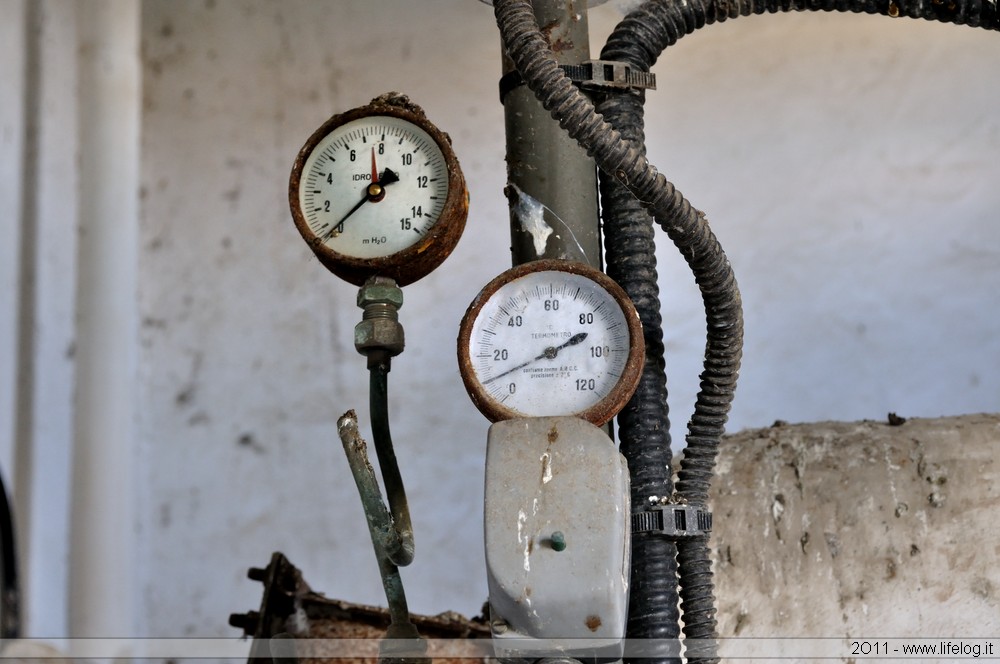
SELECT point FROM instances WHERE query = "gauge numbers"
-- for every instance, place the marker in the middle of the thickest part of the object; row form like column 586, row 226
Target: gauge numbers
column 378, row 191
column 553, row 339
column 373, row 187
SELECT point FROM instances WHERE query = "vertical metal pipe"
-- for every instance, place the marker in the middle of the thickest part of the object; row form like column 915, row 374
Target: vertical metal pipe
column 45, row 357
column 101, row 584
column 545, row 167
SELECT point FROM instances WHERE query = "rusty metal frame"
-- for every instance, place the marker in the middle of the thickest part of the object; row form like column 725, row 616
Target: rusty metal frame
column 287, row 595
column 418, row 260
column 599, row 413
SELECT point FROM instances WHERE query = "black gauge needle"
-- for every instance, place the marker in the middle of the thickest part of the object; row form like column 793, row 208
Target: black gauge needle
column 373, row 192
column 388, row 177
column 547, row 354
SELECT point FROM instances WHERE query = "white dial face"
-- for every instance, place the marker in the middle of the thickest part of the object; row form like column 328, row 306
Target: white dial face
column 549, row 343
column 373, row 187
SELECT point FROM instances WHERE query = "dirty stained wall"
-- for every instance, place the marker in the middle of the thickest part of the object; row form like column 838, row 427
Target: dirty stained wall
column 847, row 163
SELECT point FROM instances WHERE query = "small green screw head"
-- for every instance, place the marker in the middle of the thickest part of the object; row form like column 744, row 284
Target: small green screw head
column 558, row 541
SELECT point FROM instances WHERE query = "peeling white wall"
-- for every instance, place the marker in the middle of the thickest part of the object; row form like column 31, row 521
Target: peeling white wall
column 847, row 163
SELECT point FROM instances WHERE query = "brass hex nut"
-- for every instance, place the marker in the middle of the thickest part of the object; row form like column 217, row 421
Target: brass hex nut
column 379, row 334
column 380, row 290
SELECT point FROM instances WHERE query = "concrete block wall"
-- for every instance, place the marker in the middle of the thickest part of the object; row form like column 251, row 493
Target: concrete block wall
column 861, row 529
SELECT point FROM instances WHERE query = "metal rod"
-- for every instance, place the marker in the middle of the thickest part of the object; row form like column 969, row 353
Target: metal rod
column 380, row 525
column 552, row 183
column 401, row 551
column 403, row 644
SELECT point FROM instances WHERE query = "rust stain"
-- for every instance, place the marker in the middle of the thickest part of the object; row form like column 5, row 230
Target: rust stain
column 890, row 569
column 562, row 45
column 558, row 43
column 553, row 434
column 593, row 622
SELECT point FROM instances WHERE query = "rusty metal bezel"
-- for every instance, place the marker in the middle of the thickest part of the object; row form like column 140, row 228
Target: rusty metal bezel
column 418, row 260
column 601, row 412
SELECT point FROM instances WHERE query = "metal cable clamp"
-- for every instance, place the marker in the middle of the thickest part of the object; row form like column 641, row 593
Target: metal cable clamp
column 592, row 75
column 673, row 521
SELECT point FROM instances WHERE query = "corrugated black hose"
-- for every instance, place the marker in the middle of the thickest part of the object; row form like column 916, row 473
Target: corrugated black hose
column 644, row 423
column 685, row 226
column 638, row 41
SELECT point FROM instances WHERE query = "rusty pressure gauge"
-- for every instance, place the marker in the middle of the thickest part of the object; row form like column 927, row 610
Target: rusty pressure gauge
column 378, row 191
column 551, row 337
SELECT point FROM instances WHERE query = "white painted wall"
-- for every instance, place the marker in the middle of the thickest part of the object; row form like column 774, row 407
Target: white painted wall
column 848, row 164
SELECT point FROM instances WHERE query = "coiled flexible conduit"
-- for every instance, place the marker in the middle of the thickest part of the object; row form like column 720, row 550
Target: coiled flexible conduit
column 644, row 422
column 690, row 232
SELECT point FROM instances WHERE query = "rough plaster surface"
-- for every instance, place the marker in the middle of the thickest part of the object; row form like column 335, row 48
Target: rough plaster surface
column 847, row 168
column 860, row 530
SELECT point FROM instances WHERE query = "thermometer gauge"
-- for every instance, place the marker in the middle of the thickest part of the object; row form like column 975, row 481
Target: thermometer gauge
column 378, row 191
column 551, row 337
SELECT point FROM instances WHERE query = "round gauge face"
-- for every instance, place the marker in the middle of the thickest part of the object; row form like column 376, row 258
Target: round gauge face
column 378, row 191
column 551, row 338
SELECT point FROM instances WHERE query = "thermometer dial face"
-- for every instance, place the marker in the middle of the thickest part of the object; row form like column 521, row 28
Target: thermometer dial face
column 551, row 338
column 378, row 190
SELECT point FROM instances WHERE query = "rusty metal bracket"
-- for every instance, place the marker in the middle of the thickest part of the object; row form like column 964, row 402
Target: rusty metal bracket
column 610, row 74
column 593, row 75
column 673, row 521
column 317, row 624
